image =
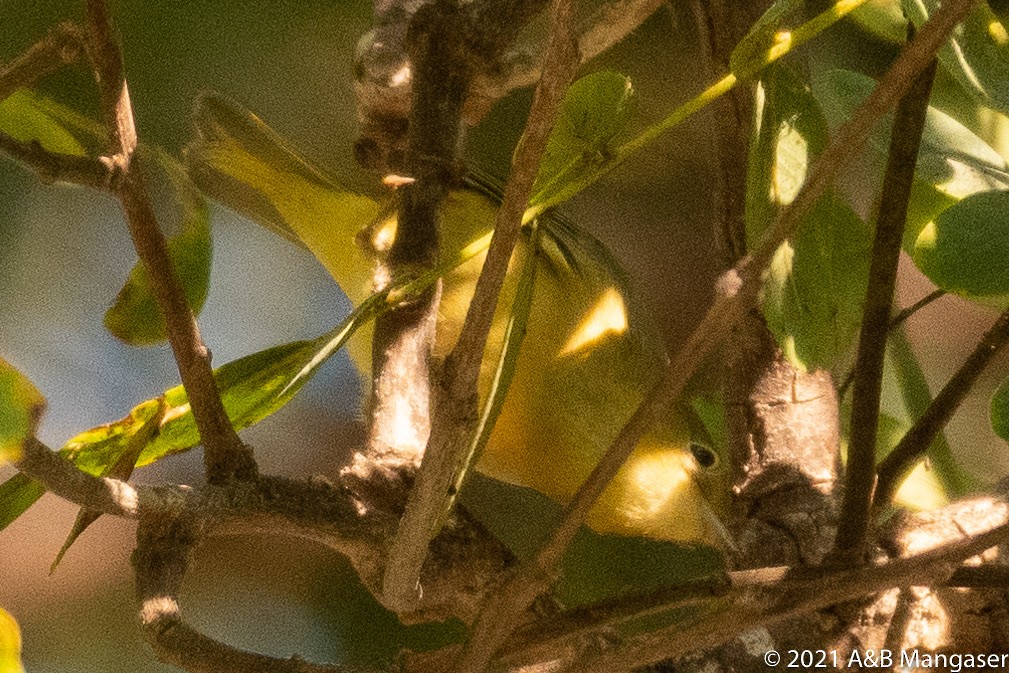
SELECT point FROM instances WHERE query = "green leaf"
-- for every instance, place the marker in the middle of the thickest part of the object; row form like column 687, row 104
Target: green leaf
column 769, row 31
column 251, row 388
column 135, row 317
column 17, row 494
column 28, row 117
column 21, row 407
column 977, row 54
column 121, row 467
column 966, row 249
column 10, row 644
column 884, row 19
column 595, row 110
column 239, row 161
column 791, row 132
column 816, row 285
column 951, row 158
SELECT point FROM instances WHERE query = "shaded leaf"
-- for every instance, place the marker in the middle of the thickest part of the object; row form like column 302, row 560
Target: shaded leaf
column 769, row 32
column 816, row 285
column 884, row 19
column 951, row 157
column 21, row 407
column 595, row 109
column 135, row 317
column 17, row 494
column 10, row 644
column 965, row 250
column 977, row 54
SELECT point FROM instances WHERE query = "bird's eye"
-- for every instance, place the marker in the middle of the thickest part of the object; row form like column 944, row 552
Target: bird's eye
column 704, row 456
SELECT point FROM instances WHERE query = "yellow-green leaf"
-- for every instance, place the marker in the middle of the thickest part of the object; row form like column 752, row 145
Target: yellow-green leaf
column 21, row 407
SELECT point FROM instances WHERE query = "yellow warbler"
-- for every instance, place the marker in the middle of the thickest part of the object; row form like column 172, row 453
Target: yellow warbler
column 587, row 359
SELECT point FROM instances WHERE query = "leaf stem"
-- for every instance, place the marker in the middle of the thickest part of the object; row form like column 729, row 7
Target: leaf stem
column 909, row 122
column 225, row 456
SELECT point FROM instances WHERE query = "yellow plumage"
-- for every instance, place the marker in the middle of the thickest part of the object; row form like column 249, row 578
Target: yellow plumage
column 587, row 359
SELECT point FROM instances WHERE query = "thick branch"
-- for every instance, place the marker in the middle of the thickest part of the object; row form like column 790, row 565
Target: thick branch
column 909, row 122
column 913, row 445
column 454, row 417
column 225, row 456
column 737, row 291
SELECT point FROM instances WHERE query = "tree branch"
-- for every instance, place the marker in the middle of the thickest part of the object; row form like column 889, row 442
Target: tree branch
column 748, row 609
column 909, row 122
column 737, row 290
column 454, row 417
column 225, row 456
column 913, row 445
column 108, row 496
column 62, row 46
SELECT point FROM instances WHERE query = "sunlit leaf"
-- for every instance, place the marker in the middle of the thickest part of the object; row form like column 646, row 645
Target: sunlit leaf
column 816, row 286
column 595, row 109
column 965, row 250
column 977, row 54
column 27, row 117
column 10, row 644
column 251, row 389
column 121, row 467
column 135, row 317
column 951, row 158
column 21, row 406
column 921, row 489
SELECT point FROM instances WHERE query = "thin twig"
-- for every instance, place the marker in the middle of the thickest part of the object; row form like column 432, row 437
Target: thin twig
column 225, row 456
column 913, row 445
column 896, row 322
column 610, row 24
column 101, row 494
column 454, row 416
column 909, row 122
column 62, row 46
column 736, row 291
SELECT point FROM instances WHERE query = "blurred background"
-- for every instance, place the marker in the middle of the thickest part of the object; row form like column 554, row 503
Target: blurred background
column 64, row 253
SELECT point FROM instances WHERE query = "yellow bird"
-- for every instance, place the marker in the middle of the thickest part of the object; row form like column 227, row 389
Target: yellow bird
column 587, row 359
